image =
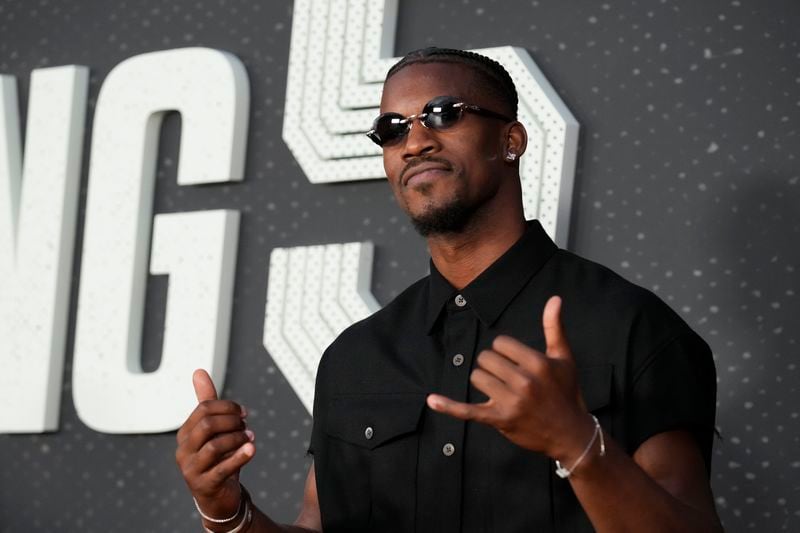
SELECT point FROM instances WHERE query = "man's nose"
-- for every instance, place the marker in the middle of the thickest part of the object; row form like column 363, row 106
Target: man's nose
column 420, row 141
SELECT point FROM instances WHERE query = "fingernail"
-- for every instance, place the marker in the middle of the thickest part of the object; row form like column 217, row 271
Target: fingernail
column 250, row 435
column 433, row 402
column 244, row 411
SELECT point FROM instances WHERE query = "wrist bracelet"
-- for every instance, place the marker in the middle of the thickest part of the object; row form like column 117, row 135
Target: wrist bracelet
column 242, row 499
column 248, row 517
column 564, row 473
column 244, row 507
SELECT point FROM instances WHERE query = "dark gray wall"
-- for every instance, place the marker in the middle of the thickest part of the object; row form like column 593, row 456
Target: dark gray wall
column 687, row 184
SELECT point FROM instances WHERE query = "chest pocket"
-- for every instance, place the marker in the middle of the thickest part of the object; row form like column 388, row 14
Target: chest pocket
column 371, row 468
column 371, row 421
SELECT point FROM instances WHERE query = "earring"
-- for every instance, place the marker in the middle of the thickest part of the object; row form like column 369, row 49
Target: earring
column 511, row 156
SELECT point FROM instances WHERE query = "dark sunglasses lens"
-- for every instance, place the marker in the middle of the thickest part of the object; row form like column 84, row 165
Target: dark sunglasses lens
column 389, row 128
column 442, row 112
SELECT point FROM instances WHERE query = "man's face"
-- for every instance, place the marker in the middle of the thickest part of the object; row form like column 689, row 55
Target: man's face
column 441, row 178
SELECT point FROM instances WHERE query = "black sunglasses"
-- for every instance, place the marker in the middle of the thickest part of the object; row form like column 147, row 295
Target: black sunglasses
column 440, row 113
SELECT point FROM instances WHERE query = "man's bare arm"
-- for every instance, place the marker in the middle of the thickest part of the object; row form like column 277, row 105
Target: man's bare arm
column 663, row 488
column 309, row 520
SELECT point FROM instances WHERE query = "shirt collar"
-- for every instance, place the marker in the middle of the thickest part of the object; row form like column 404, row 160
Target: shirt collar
column 491, row 292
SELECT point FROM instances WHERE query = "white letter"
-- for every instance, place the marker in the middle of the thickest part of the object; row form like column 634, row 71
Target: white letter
column 313, row 294
column 38, row 205
column 210, row 89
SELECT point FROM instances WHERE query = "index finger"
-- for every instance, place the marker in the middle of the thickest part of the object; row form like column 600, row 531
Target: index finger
column 203, row 386
column 479, row 412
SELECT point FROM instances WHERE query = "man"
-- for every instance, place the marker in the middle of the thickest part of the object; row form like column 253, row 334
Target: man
column 517, row 388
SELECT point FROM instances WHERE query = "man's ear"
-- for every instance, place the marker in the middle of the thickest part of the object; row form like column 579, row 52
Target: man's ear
column 516, row 141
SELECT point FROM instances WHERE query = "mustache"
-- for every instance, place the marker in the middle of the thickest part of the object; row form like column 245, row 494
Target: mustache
column 421, row 160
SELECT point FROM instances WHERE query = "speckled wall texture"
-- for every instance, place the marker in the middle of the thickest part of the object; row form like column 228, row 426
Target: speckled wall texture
column 687, row 184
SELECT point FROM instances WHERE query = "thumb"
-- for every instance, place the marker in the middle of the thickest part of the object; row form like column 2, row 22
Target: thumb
column 203, row 386
column 556, row 341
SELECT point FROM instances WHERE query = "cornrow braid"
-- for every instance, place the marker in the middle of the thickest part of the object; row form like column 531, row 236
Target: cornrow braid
column 497, row 80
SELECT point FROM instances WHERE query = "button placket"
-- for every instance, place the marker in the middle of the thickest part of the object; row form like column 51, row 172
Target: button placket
column 442, row 448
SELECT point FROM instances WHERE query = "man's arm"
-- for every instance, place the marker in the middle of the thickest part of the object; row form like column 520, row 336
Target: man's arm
column 213, row 445
column 664, row 487
column 308, row 521
column 534, row 401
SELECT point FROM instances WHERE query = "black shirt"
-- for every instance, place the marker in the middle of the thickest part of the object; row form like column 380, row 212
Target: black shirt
column 385, row 462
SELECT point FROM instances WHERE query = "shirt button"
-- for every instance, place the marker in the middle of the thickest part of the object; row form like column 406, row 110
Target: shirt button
column 368, row 433
column 448, row 449
column 461, row 301
column 458, row 359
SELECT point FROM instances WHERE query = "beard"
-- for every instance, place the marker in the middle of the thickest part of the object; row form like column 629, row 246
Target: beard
column 452, row 217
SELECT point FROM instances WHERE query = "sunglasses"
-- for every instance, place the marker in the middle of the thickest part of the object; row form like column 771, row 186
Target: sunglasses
column 439, row 114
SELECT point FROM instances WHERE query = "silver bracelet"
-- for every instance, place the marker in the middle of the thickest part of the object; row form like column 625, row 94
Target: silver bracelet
column 221, row 520
column 564, row 473
column 245, row 507
column 248, row 516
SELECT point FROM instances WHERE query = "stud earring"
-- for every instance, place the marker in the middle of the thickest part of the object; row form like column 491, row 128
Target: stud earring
column 511, row 156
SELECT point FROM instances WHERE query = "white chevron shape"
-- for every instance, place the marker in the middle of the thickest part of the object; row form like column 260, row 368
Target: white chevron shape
column 340, row 53
column 313, row 294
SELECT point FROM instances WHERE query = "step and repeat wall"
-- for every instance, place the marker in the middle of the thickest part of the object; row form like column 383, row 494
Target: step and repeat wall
column 187, row 184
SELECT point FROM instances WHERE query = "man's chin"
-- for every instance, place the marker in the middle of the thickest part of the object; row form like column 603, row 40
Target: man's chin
column 446, row 220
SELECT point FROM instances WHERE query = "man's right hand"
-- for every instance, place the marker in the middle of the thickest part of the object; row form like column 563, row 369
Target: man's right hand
column 213, row 445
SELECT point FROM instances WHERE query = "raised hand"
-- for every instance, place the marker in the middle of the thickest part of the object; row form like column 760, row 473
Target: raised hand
column 534, row 397
column 213, row 445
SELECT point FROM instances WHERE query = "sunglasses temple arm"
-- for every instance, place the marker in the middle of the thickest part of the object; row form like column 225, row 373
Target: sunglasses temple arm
column 488, row 113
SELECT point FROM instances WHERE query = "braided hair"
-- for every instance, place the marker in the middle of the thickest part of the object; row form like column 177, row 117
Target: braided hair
column 494, row 79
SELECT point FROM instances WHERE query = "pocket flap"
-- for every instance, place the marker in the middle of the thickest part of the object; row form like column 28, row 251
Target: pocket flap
column 371, row 420
column 595, row 383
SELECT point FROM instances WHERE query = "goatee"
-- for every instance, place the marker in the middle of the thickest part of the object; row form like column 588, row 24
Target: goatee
column 450, row 218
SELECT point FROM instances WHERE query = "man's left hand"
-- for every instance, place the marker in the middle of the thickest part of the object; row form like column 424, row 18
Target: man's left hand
column 534, row 397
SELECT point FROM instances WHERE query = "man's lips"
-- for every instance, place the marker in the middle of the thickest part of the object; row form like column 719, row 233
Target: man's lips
column 423, row 171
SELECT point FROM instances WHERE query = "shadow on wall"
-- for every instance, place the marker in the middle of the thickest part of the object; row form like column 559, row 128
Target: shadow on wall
column 752, row 327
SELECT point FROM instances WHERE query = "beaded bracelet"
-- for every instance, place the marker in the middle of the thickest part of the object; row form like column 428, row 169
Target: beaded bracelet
column 564, row 473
